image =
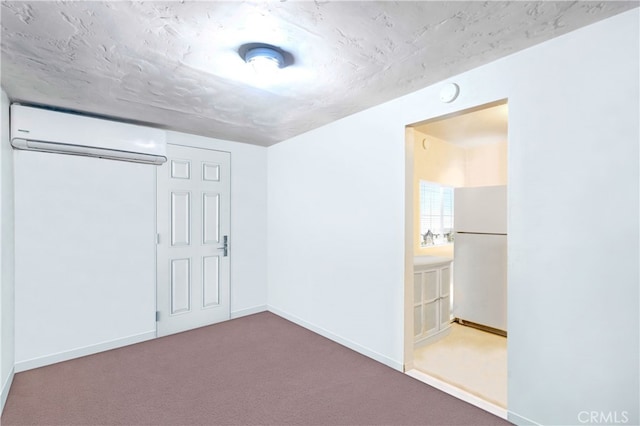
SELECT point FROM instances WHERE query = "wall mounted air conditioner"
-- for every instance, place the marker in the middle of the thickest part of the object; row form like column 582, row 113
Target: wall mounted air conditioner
column 40, row 129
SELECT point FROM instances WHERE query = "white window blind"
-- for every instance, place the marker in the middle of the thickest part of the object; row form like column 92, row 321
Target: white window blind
column 436, row 214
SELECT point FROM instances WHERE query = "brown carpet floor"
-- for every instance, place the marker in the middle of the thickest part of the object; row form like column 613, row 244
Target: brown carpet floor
column 256, row 370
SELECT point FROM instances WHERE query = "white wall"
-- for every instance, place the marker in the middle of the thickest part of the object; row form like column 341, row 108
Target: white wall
column 336, row 232
column 486, row 165
column 85, row 255
column 577, row 350
column 6, row 254
column 248, row 220
column 336, row 222
column 85, row 249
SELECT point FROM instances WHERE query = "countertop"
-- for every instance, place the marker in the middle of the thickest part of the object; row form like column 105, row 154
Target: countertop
column 430, row 260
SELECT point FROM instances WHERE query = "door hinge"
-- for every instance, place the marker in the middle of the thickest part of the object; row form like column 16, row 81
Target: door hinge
column 157, row 316
column 157, row 238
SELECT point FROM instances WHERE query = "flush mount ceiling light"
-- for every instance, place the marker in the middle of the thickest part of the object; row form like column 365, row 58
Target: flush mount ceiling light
column 264, row 59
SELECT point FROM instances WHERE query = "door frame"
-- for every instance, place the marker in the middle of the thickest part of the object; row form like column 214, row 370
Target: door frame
column 408, row 285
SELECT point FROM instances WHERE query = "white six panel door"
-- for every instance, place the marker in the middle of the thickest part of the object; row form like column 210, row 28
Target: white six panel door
column 193, row 230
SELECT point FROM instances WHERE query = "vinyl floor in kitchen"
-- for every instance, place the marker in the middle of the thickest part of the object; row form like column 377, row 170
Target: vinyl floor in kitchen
column 470, row 359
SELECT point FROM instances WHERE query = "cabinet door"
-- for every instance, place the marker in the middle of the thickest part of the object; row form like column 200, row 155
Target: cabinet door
column 445, row 297
column 431, row 300
column 417, row 305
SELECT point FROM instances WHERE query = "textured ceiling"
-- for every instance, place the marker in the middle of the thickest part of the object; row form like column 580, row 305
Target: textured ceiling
column 175, row 65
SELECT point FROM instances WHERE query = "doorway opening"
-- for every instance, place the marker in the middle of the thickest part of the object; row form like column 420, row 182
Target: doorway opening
column 456, row 243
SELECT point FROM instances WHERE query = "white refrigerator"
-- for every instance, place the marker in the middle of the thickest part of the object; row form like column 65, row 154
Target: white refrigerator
column 480, row 256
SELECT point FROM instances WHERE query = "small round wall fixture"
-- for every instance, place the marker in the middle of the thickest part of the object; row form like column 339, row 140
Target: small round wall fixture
column 449, row 92
column 264, row 58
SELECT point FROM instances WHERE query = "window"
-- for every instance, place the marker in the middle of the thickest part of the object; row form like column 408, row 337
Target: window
column 436, row 214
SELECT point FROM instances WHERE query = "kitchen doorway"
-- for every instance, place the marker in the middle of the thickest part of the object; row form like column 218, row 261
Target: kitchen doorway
column 456, row 245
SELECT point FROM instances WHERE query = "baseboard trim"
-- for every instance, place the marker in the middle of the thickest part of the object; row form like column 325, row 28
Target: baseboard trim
column 248, row 311
column 459, row 393
column 339, row 339
column 520, row 420
column 84, row 351
column 5, row 389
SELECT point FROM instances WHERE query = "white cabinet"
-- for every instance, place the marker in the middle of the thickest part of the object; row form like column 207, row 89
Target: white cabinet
column 431, row 298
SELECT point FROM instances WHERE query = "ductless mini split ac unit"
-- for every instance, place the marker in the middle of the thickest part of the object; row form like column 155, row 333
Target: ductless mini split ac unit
column 44, row 130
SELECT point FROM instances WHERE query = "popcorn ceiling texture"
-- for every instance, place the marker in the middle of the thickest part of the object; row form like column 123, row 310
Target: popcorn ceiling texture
column 175, row 65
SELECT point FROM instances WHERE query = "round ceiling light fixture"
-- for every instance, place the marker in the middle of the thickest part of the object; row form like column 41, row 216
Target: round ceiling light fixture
column 264, row 59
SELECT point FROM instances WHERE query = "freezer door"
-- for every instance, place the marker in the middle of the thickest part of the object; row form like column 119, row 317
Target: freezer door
column 480, row 279
column 482, row 209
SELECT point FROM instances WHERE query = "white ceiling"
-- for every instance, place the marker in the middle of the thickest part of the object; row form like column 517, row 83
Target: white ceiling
column 176, row 65
column 480, row 127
